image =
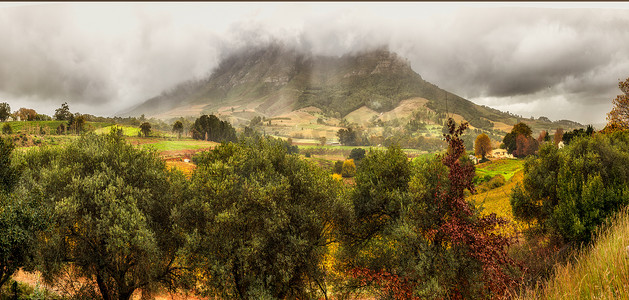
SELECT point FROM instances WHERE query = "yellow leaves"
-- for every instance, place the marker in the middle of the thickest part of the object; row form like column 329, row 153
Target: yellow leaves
column 337, row 177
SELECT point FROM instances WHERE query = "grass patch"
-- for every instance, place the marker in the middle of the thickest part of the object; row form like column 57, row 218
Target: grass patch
column 179, row 145
column 33, row 126
column 126, row 130
column 600, row 271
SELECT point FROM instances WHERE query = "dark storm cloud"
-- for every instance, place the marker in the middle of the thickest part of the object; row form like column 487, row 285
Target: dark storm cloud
column 121, row 54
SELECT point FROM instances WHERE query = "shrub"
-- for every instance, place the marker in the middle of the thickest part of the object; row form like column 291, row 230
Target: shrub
column 7, row 129
column 349, row 168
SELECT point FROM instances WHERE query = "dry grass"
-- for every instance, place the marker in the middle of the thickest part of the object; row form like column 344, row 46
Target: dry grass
column 497, row 201
column 600, row 271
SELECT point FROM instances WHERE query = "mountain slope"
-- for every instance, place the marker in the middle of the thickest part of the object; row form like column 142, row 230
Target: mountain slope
column 275, row 80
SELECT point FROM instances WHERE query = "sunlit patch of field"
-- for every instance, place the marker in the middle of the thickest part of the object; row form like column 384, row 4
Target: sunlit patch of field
column 505, row 167
column 126, row 130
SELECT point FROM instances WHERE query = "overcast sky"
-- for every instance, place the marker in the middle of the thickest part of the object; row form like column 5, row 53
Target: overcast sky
column 559, row 60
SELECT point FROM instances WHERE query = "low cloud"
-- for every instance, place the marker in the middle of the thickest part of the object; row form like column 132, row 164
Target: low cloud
column 110, row 56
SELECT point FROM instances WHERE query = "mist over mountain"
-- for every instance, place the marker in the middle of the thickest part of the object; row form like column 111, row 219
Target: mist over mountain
column 276, row 79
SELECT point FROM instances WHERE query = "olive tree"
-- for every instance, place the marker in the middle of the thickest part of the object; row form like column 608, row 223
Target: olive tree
column 259, row 220
column 111, row 207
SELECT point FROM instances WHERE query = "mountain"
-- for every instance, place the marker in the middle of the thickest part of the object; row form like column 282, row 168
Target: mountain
column 276, row 80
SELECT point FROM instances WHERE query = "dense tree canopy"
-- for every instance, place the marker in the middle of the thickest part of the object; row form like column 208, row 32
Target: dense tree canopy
column 211, row 128
column 519, row 141
column 260, row 221
column 412, row 234
column 570, row 191
column 5, row 111
column 110, row 205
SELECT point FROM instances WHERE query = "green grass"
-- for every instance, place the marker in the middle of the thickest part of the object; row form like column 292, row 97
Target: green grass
column 126, row 130
column 505, row 167
column 180, row 145
column 600, row 271
column 19, row 126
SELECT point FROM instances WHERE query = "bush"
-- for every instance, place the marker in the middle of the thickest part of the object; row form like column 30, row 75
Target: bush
column 349, row 168
column 7, row 129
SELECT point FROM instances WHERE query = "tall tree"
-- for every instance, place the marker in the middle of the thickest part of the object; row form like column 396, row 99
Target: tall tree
column 145, row 128
column 178, row 128
column 5, row 111
column 558, row 136
column 63, row 113
column 619, row 115
column 482, row 146
column 261, row 219
column 111, row 205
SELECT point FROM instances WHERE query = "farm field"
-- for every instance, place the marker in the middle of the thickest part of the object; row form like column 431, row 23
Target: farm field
column 497, row 200
column 30, row 126
column 504, row 167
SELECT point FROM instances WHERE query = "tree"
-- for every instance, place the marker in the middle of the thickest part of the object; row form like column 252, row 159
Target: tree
column 322, row 141
column 178, row 128
column 211, row 128
column 111, row 206
column 543, row 136
column 19, row 220
column 63, row 113
column 569, row 192
column 510, row 138
column 260, row 219
column 20, row 223
column 61, row 129
column 558, row 136
column 9, row 173
column 26, row 114
column 145, row 128
column 349, row 137
column 357, row 154
column 411, row 220
column 482, row 146
column 76, row 123
column 5, row 111
column 619, row 115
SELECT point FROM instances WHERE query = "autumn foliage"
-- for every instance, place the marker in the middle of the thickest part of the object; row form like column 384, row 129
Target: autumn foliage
column 482, row 146
column 619, row 115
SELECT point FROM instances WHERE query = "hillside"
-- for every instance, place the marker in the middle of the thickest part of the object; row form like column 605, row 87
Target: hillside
column 276, row 80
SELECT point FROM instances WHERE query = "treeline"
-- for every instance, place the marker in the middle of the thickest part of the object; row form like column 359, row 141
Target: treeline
column 253, row 221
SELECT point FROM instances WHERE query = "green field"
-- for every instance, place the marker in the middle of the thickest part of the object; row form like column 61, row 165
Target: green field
column 505, row 167
column 21, row 126
column 177, row 145
column 126, row 130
